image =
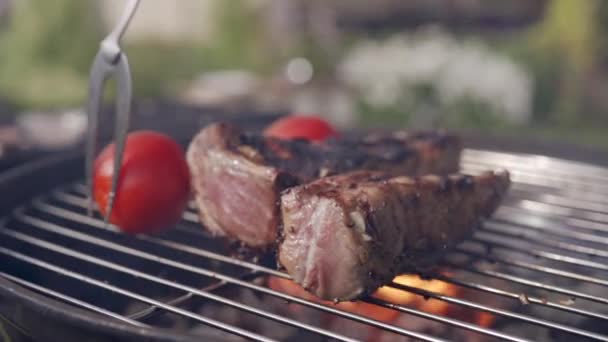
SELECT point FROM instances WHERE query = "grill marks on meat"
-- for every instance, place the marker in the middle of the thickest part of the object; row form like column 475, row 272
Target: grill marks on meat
column 438, row 152
column 236, row 191
column 347, row 235
column 344, row 232
column 397, row 153
column 238, row 177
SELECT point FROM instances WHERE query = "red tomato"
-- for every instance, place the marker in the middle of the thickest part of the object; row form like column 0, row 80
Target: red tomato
column 153, row 186
column 308, row 127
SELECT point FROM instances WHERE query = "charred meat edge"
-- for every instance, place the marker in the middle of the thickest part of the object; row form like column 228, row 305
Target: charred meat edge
column 237, row 177
column 345, row 236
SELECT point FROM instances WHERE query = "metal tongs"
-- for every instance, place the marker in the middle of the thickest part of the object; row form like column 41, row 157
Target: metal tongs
column 109, row 61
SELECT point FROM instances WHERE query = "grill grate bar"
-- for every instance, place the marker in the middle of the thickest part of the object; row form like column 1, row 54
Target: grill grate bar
column 194, row 231
column 586, row 193
column 71, row 199
column 592, row 204
column 559, row 209
column 517, row 296
column 100, row 242
column 583, row 198
column 553, row 204
column 127, row 270
column 153, row 310
column 547, row 174
column 513, row 263
column 442, row 319
column 487, row 239
column 553, row 210
column 81, row 189
column 584, row 175
column 76, row 200
column 536, row 284
column 100, row 224
column 524, row 218
column 280, row 274
column 190, row 217
column 589, row 199
column 553, row 256
column 535, row 162
column 587, row 224
column 565, row 202
column 546, row 179
column 505, row 313
column 132, row 295
column 83, row 219
column 79, row 201
column 517, row 232
column 71, row 300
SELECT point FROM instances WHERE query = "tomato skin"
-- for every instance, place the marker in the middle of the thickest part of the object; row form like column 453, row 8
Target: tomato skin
column 153, row 186
column 308, row 127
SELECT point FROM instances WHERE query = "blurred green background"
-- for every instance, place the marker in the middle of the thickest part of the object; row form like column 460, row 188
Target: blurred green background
column 534, row 68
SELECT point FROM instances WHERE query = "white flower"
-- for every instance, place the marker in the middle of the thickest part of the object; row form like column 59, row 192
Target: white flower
column 455, row 70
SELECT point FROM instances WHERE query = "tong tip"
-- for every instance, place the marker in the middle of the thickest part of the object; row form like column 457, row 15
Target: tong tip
column 110, row 205
column 102, row 68
column 90, row 206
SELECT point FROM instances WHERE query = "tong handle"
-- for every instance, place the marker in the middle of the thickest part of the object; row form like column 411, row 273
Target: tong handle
column 123, row 108
column 110, row 61
column 110, row 46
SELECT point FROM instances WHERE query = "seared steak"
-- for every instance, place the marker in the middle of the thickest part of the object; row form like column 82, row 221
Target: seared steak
column 238, row 177
column 347, row 235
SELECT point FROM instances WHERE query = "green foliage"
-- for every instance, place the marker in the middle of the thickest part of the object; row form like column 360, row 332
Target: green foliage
column 560, row 51
column 421, row 99
column 468, row 112
column 568, row 29
column 370, row 116
column 46, row 52
column 159, row 66
column 48, row 46
column 237, row 39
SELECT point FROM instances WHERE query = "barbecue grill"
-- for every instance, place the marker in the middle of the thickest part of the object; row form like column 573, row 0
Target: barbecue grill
column 537, row 269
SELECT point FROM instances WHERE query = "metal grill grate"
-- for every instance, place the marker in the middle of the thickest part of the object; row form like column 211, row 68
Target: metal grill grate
column 538, row 264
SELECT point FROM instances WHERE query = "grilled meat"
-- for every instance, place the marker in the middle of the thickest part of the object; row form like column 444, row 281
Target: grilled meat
column 345, row 236
column 238, row 177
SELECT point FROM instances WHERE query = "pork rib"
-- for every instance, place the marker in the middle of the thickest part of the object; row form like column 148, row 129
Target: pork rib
column 344, row 236
column 237, row 177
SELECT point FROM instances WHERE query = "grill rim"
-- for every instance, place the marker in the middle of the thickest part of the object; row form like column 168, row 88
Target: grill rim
column 52, row 170
column 76, row 317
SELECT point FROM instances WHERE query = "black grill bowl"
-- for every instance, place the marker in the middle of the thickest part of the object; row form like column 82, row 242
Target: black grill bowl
column 29, row 315
column 538, row 267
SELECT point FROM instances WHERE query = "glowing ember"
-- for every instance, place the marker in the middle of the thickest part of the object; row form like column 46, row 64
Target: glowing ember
column 386, row 293
column 397, row 296
column 485, row 319
column 394, row 296
column 361, row 308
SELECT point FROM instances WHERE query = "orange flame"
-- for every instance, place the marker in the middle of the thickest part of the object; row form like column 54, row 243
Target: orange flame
column 485, row 319
column 394, row 296
column 361, row 308
column 385, row 293
column 397, row 296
